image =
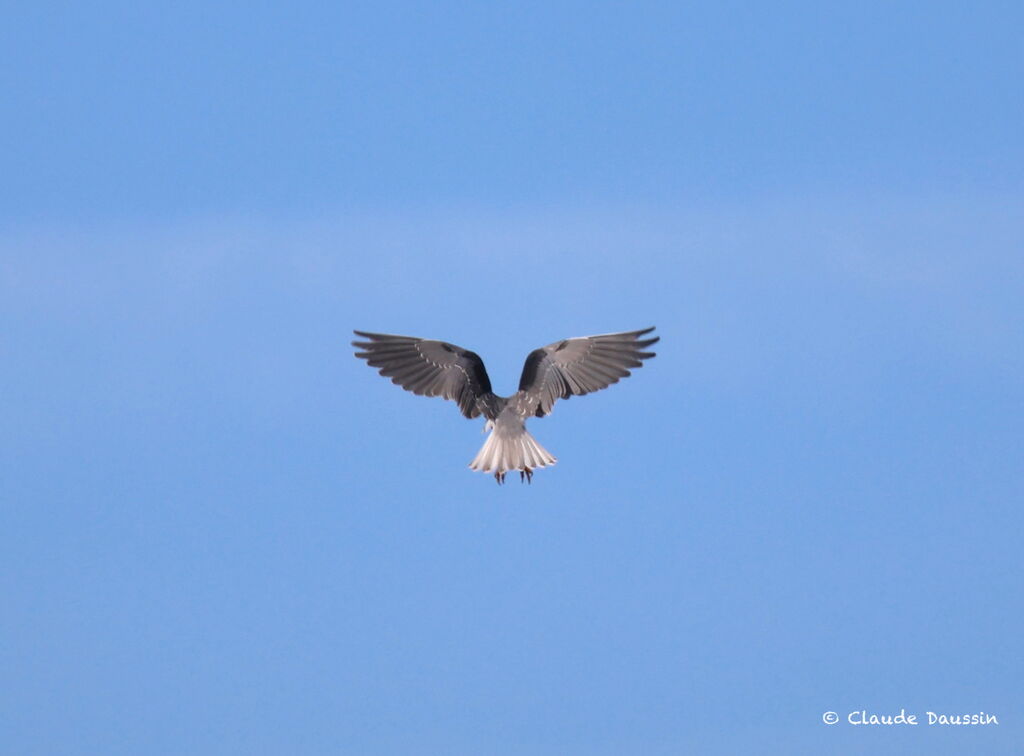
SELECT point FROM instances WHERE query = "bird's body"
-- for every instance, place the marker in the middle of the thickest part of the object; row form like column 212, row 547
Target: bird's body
column 566, row 368
column 510, row 446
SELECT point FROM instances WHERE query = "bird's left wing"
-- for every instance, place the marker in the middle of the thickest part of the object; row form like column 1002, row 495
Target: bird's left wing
column 573, row 367
column 427, row 368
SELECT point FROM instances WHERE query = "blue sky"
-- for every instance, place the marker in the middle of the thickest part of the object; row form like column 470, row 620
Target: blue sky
column 220, row 533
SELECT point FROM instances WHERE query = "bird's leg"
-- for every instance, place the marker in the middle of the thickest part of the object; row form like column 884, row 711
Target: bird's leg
column 499, row 477
column 528, row 473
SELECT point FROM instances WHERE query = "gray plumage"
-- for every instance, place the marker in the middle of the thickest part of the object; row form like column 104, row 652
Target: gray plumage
column 571, row 367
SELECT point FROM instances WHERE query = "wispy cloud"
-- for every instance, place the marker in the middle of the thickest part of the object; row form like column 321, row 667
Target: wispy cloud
column 729, row 282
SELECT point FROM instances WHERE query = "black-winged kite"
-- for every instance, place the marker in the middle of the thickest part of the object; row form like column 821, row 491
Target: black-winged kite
column 571, row 367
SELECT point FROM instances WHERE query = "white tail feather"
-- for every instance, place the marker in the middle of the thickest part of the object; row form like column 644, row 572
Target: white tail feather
column 501, row 453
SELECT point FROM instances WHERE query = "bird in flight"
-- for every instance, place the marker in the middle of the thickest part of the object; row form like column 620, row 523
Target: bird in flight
column 571, row 367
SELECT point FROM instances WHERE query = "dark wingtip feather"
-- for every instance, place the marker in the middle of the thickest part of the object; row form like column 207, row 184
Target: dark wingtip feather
column 389, row 338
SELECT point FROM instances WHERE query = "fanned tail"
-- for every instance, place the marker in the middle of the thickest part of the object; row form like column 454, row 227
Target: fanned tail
column 502, row 452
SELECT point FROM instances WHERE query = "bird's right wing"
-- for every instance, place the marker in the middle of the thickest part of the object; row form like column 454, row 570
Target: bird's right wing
column 427, row 368
column 573, row 367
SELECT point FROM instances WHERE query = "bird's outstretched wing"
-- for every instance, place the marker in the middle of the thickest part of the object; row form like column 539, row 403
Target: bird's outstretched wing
column 427, row 368
column 573, row 367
